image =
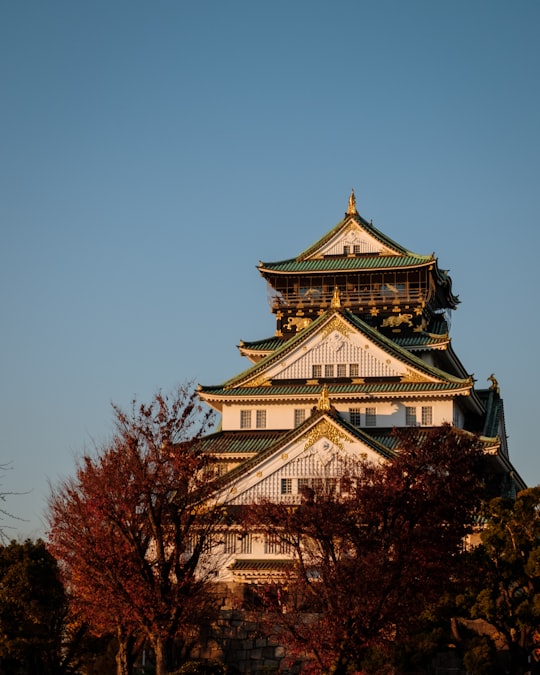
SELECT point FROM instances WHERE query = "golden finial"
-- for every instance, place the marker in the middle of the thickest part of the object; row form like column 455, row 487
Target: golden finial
column 351, row 209
column 336, row 299
column 324, row 401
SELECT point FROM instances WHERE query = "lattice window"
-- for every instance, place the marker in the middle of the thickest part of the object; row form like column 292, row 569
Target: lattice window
column 353, row 370
column 427, row 415
column 245, row 419
column 299, row 417
column 229, row 542
column 286, row 486
column 410, row 416
column 246, row 543
column 357, row 249
column 273, row 544
column 316, row 371
column 371, row 417
column 341, row 370
column 261, row 419
column 346, row 250
column 355, row 416
column 329, row 370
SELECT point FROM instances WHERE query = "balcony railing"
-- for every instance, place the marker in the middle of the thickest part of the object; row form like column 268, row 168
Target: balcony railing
column 354, row 298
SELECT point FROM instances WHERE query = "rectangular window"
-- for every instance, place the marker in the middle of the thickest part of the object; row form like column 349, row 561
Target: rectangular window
column 299, row 417
column 331, row 486
column 246, row 542
column 354, row 416
column 272, row 544
column 341, row 370
column 316, row 371
column 410, row 416
column 245, row 419
column 286, row 486
column 261, row 419
column 353, row 370
column 303, row 483
column 346, row 250
column 356, row 249
column 229, row 542
column 371, row 417
column 427, row 415
column 329, row 370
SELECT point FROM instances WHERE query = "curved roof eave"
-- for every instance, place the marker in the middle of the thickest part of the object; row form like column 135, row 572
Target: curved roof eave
column 373, row 263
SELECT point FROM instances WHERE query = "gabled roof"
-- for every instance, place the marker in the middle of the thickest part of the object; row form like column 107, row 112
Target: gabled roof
column 354, row 220
column 254, row 376
column 317, row 417
column 375, row 250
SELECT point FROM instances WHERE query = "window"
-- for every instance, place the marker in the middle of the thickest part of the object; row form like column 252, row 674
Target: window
column 356, row 249
column 299, row 417
column 353, row 370
column 371, row 417
column 341, row 370
column 346, row 250
column 229, row 542
column 354, row 416
column 245, row 419
column 316, row 371
column 427, row 415
column 329, row 370
column 272, row 544
column 261, row 419
column 303, row 483
column 246, row 542
column 286, row 486
column 410, row 416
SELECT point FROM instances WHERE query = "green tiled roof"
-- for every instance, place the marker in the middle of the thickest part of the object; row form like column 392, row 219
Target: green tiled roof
column 239, row 442
column 406, row 341
column 350, row 264
column 335, row 390
column 264, row 345
column 247, row 565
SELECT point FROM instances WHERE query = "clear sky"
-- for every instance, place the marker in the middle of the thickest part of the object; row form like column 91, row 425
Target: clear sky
column 152, row 152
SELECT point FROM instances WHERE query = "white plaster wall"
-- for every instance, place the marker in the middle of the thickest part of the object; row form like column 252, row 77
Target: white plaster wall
column 389, row 413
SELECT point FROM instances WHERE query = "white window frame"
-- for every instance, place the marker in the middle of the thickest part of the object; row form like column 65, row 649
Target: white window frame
column 410, row 416
column 371, row 417
column 260, row 419
column 245, row 419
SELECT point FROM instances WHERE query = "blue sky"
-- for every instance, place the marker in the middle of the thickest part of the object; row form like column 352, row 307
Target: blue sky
column 153, row 152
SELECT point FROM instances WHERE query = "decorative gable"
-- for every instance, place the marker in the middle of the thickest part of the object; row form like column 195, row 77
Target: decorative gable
column 352, row 239
column 316, row 457
column 331, row 350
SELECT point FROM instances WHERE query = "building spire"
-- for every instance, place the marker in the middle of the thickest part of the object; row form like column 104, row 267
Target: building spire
column 336, row 299
column 324, row 400
column 351, row 209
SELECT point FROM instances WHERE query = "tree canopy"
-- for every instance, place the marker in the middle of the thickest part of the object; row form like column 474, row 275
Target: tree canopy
column 132, row 528
column 33, row 610
column 372, row 557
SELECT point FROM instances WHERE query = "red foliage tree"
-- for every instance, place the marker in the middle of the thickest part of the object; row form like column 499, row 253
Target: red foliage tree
column 132, row 529
column 370, row 559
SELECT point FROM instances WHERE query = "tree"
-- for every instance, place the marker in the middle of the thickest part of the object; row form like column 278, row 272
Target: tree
column 371, row 558
column 502, row 597
column 33, row 611
column 133, row 528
